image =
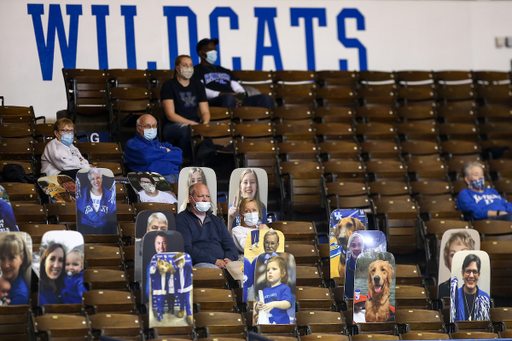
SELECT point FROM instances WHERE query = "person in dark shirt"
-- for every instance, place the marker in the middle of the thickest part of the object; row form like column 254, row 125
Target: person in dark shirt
column 222, row 88
column 181, row 98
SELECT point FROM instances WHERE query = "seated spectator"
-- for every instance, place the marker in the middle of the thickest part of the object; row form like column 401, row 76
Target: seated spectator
column 145, row 153
column 205, row 235
column 149, row 192
column 483, row 203
column 181, row 98
column 222, row 88
column 250, row 223
column 60, row 156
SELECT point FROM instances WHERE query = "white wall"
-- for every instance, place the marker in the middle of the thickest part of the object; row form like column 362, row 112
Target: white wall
column 397, row 35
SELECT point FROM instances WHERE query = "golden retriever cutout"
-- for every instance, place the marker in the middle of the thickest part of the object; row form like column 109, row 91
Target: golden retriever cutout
column 342, row 232
column 380, row 275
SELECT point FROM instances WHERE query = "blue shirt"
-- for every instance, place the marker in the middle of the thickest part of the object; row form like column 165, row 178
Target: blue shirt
column 280, row 292
column 19, row 293
column 479, row 204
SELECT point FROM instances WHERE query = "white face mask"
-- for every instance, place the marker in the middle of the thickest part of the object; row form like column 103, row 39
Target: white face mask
column 187, row 72
column 148, row 187
column 202, row 207
column 251, row 219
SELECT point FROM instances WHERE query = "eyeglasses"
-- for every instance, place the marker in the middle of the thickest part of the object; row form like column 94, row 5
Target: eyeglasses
column 67, row 131
column 147, row 126
column 469, row 272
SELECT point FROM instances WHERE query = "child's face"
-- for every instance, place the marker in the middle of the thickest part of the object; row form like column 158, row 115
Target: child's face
column 274, row 273
column 5, row 287
column 73, row 263
column 248, row 186
column 10, row 265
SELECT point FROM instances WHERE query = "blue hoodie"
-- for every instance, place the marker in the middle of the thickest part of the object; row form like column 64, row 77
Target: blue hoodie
column 480, row 203
column 142, row 155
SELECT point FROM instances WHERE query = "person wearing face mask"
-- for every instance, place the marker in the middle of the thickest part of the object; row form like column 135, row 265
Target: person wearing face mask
column 250, row 223
column 481, row 202
column 205, row 235
column 149, row 192
column 145, row 153
column 182, row 98
column 222, row 88
column 60, row 156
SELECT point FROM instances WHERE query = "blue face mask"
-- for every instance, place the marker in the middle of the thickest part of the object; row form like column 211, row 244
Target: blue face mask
column 67, row 139
column 478, row 184
column 211, row 56
column 150, row 134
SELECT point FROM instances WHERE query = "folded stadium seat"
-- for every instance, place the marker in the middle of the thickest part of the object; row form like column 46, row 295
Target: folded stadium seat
column 453, row 77
column 295, row 78
column 458, row 131
column 210, row 299
column 412, row 78
column 297, row 231
column 294, row 130
column 389, row 190
column 292, row 113
column 342, row 188
column 156, row 78
column 491, row 130
column 220, row 325
column 420, row 170
column 491, row 94
column 16, row 130
column 503, row 186
column 28, row 166
column 16, row 323
column 257, row 154
column 493, row 230
column 304, row 254
column 345, row 170
column 220, row 135
column 491, row 77
column 375, row 131
column 109, row 301
column 324, row 337
column 500, row 253
column 159, row 206
column 385, row 169
column 417, row 130
column 105, row 279
column 309, row 276
column 128, row 78
column 417, row 111
column 494, row 113
column 407, row 274
column 336, row 79
column 309, row 322
column 362, row 202
column 129, row 265
column 36, row 231
column 254, row 115
column 101, row 151
column 415, row 86
column 420, row 150
column 376, row 114
column 424, row 336
column 430, row 188
column 19, row 192
column 117, row 326
column 61, row 212
column 497, row 148
column 378, row 149
column 262, row 81
column 62, row 327
column 334, row 132
column 295, row 96
column 16, row 114
column 376, row 77
column 336, row 97
column 29, row 213
column 501, row 318
column 331, row 150
column 460, row 150
column 16, row 148
column 474, row 335
column 420, row 320
column 116, row 167
column 125, row 212
column 220, row 115
column 103, row 257
column 298, row 150
column 458, row 112
column 500, row 168
column 315, row 299
column 455, row 92
column 121, row 193
column 413, row 297
column 179, row 333
column 209, row 278
column 334, row 115
column 376, row 94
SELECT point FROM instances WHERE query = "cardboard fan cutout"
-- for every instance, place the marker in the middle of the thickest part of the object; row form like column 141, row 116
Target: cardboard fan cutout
column 274, row 292
column 374, row 293
column 191, row 175
column 342, row 224
column 61, row 269
column 470, row 286
column 96, row 210
column 272, row 242
column 359, row 242
column 453, row 241
column 171, row 290
column 152, row 187
column 59, row 188
column 15, row 279
column 7, row 219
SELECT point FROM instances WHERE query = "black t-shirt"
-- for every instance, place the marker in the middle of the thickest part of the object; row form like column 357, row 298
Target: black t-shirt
column 214, row 77
column 186, row 99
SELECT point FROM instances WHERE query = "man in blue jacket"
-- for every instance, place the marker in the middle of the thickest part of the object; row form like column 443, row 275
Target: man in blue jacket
column 205, row 235
column 145, row 153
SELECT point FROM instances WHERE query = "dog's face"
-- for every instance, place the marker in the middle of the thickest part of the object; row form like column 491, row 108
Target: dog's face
column 345, row 228
column 380, row 275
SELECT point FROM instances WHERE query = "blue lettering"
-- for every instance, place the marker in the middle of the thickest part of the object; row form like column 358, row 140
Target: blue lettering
column 308, row 14
column 266, row 17
column 351, row 42
column 129, row 27
column 101, row 11
column 172, row 12
column 46, row 50
column 214, row 24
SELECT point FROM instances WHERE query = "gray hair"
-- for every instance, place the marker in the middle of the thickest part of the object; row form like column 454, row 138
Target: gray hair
column 94, row 170
column 466, row 171
column 159, row 216
column 351, row 238
column 271, row 233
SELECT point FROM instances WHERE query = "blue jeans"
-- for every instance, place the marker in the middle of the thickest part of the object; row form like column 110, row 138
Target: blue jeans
column 171, row 178
column 206, row 265
column 179, row 132
column 228, row 101
column 505, row 217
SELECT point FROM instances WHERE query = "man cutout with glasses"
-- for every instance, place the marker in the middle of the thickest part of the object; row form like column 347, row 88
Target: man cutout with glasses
column 145, row 153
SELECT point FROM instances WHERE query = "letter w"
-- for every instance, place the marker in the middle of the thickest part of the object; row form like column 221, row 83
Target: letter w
column 46, row 49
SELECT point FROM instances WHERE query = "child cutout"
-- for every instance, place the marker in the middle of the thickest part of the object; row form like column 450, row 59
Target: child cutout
column 5, row 287
column 274, row 300
column 74, row 279
column 249, row 223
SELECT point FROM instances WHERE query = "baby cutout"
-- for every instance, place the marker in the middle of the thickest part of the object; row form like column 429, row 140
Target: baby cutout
column 5, row 287
column 74, row 279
